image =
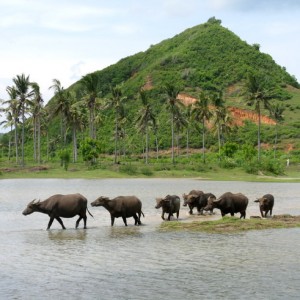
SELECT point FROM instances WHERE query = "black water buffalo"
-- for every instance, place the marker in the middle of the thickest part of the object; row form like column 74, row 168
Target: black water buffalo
column 229, row 203
column 266, row 203
column 60, row 206
column 200, row 200
column 121, row 206
column 170, row 205
column 191, row 200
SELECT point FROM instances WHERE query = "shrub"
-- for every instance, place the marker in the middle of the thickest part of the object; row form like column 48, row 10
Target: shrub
column 65, row 158
column 146, row 171
column 128, row 169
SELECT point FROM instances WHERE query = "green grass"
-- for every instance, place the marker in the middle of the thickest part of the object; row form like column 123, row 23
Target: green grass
column 140, row 170
column 233, row 225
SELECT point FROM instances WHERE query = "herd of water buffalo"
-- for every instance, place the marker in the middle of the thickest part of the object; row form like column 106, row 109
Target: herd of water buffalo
column 68, row 206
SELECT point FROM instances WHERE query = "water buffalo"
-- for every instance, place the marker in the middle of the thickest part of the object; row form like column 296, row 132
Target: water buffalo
column 266, row 203
column 169, row 204
column 229, row 203
column 191, row 199
column 60, row 206
column 200, row 200
column 121, row 206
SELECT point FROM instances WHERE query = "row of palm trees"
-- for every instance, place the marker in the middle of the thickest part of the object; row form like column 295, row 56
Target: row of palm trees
column 25, row 99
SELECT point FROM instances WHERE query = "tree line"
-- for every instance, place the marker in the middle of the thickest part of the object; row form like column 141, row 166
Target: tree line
column 82, row 112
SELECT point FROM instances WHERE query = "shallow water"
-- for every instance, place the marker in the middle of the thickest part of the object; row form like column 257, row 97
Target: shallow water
column 140, row 262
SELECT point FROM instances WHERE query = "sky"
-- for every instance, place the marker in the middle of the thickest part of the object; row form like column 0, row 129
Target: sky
column 67, row 39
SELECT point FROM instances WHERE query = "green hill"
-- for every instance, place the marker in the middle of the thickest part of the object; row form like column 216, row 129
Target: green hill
column 207, row 57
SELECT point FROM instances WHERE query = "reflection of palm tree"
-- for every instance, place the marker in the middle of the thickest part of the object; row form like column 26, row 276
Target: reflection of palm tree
column 145, row 118
column 258, row 92
column 201, row 113
column 24, row 94
column 172, row 91
column 277, row 114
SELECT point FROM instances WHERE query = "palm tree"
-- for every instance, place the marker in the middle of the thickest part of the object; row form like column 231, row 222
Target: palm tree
column 24, row 93
column 91, row 86
column 202, row 113
column 116, row 101
column 173, row 106
column 75, row 119
column 36, row 110
column 277, row 114
column 61, row 107
column 219, row 115
column 259, row 92
column 13, row 112
column 145, row 119
column 188, row 118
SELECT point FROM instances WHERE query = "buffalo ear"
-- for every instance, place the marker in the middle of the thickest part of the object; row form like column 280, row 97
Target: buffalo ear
column 257, row 200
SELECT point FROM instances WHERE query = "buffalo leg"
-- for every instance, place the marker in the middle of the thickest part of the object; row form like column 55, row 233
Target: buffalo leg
column 243, row 215
column 177, row 214
column 60, row 222
column 262, row 213
column 163, row 215
column 112, row 220
column 50, row 222
column 124, row 220
column 77, row 222
column 84, row 222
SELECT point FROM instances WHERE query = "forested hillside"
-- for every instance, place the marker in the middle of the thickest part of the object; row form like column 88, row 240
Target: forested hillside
column 205, row 88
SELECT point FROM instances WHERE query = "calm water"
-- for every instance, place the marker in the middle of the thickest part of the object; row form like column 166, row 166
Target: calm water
column 119, row 262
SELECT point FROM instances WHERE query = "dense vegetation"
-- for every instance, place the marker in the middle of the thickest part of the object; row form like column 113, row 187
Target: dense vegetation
column 131, row 111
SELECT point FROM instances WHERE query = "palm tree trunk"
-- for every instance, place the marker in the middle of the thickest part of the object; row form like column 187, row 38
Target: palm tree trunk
column 16, row 142
column 116, row 140
column 172, row 128
column 219, row 141
column 187, row 142
column 258, row 135
column 23, row 135
column 39, row 140
column 203, row 141
column 276, row 138
column 147, row 144
column 74, row 144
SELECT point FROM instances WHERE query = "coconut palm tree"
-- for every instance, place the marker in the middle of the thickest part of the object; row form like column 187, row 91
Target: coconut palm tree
column 13, row 111
column 202, row 113
column 36, row 110
column 277, row 114
column 145, row 119
column 219, row 115
column 173, row 106
column 91, row 87
column 75, row 119
column 188, row 119
column 258, row 92
column 116, row 102
column 24, row 93
column 61, row 107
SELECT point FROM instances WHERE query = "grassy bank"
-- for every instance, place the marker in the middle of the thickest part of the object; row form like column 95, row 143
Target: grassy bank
column 233, row 225
column 140, row 170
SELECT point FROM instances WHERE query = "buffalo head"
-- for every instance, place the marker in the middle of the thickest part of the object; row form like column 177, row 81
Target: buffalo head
column 162, row 202
column 211, row 203
column 31, row 207
column 100, row 201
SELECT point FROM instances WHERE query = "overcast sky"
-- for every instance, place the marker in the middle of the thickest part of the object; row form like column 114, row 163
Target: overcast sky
column 67, row 39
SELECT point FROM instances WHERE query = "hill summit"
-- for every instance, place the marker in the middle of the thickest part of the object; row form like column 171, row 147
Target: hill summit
column 204, row 56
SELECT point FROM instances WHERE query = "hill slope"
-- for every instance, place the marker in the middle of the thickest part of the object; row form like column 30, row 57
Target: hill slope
column 207, row 56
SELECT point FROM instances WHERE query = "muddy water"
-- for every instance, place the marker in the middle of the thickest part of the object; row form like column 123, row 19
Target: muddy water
column 119, row 262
